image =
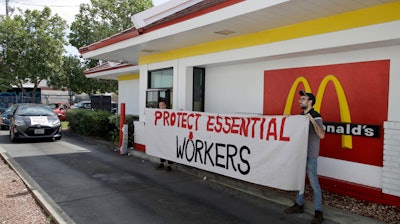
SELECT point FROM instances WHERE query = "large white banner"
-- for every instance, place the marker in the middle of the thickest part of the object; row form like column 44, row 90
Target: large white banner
column 266, row 150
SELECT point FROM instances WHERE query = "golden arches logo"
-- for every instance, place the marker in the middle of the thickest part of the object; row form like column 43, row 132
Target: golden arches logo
column 347, row 141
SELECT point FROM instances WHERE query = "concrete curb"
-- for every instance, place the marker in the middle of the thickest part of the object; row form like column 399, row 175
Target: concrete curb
column 47, row 203
column 60, row 217
column 266, row 193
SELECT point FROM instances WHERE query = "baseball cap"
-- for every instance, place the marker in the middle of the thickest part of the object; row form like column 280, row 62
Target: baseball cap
column 309, row 95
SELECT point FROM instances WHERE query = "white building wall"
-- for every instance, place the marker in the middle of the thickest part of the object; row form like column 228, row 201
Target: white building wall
column 391, row 159
column 234, row 83
column 55, row 96
column 128, row 93
column 139, row 136
column 223, row 94
column 239, row 87
column 234, row 88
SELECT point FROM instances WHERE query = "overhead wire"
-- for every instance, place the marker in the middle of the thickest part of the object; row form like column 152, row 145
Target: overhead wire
column 42, row 5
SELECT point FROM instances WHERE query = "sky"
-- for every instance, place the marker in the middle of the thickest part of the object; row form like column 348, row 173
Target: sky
column 67, row 9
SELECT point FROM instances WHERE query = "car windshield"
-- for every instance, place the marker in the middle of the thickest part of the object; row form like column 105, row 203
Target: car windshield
column 35, row 111
column 11, row 109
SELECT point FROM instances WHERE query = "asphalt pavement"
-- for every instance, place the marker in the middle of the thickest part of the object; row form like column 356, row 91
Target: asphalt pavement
column 83, row 180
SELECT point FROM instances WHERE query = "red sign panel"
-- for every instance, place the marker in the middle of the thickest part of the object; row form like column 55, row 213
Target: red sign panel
column 352, row 99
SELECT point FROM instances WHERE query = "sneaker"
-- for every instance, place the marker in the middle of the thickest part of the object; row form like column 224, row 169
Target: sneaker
column 160, row 166
column 295, row 209
column 168, row 168
column 318, row 217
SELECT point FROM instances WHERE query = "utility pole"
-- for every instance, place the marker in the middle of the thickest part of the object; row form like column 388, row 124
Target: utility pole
column 7, row 7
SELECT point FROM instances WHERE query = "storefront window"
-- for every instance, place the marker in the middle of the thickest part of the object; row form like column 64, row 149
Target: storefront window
column 198, row 89
column 161, row 78
column 159, row 87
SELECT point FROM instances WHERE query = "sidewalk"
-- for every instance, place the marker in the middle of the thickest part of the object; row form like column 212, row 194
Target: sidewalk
column 58, row 216
column 269, row 194
column 17, row 205
column 36, row 207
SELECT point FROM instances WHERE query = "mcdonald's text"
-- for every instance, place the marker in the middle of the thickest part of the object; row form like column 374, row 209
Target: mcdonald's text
column 365, row 130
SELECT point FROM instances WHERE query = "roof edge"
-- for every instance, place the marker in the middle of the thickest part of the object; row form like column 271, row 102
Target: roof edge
column 159, row 12
column 165, row 22
column 107, row 66
column 124, row 35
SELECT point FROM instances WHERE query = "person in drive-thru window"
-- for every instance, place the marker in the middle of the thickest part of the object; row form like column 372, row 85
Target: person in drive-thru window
column 316, row 132
column 163, row 105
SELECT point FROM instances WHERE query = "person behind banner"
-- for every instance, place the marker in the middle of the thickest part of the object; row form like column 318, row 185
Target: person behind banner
column 316, row 132
column 163, row 105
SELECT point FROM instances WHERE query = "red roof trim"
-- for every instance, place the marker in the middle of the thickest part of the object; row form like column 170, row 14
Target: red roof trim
column 106, row 67
column 199, row 9
column 192, row 12
column 124, row 35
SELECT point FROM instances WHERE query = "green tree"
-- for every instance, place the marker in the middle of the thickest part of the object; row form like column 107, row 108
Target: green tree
column 32, row 48
column 72, row 76
column 74, row 79
column 99, row 20
column 103, row 18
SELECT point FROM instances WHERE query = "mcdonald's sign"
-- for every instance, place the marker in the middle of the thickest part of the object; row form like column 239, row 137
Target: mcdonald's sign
column 352, row 99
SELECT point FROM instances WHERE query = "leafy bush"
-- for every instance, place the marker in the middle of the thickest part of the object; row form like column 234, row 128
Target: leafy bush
column 99, row 123
column 89, row 123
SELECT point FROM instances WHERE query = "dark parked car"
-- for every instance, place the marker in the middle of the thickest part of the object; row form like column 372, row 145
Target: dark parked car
column 33, row 121
column 4, row 120
column 60, row 109
column 87, row 104
column 82, row 105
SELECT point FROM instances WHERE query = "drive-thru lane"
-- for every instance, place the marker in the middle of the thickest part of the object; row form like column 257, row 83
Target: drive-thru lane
column 93, row 184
